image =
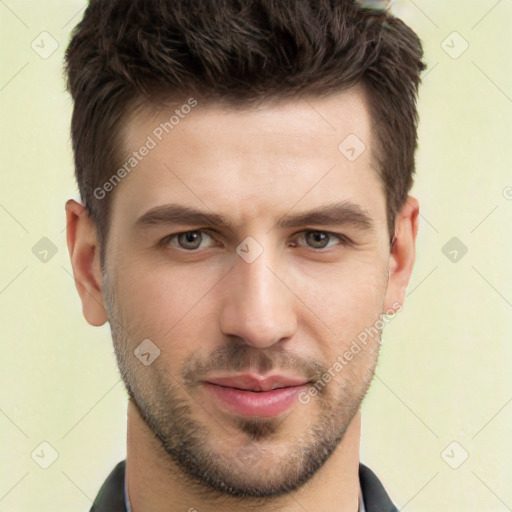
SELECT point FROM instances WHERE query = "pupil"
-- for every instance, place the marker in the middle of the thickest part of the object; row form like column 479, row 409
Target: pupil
column 192, row 238
column 318, row 238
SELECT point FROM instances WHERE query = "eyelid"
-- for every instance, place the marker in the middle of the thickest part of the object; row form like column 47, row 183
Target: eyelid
column 344, row 240
column 166, row 241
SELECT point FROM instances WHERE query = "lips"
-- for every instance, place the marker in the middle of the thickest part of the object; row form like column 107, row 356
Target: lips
column 255, row 395
column 252, row 382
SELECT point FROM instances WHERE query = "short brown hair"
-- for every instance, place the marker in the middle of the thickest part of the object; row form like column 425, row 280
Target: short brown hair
column 124, row 53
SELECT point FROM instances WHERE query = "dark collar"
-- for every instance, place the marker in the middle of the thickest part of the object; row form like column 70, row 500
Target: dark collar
column 375, row 497
column 111, row 495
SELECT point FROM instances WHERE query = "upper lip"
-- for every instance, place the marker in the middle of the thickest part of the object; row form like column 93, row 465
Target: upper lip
column 253, row 382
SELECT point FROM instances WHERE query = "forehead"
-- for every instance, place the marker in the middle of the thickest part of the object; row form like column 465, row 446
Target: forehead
column 251, row 162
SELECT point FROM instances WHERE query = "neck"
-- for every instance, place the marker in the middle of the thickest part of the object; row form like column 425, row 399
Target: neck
column 156, row 484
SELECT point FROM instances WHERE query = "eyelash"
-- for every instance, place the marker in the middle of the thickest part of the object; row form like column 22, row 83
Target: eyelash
column 344, row 240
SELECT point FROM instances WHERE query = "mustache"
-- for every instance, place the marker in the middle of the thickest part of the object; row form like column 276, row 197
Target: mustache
column 235, row 358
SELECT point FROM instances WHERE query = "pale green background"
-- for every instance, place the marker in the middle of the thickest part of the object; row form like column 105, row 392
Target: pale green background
column 445, row 371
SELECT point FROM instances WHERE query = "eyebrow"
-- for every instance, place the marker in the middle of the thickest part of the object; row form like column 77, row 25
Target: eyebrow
column 344, row 212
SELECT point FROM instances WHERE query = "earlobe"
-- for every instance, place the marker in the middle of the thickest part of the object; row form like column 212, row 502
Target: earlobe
column 85, row 260
column 402, row 255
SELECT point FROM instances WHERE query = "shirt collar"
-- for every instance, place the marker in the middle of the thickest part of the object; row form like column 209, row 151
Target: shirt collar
column 126, row 498
column 129, row 508
column 362, row 508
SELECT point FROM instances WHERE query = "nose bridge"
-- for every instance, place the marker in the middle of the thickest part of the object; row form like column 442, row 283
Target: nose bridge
column 258, row 307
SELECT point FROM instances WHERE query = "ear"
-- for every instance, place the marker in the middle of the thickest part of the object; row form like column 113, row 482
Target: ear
column 402, row 255
column 85, row 259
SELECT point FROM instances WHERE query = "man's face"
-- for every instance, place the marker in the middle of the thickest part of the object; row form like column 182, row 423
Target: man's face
column 268, row 295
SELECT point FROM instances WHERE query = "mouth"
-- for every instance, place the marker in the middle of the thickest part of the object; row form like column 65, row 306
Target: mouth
column 250, row 395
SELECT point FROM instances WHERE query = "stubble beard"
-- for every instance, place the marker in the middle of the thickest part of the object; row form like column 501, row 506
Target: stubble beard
column 211, row 468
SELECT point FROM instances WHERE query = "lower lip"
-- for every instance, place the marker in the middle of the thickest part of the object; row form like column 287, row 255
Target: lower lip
column 250, row 403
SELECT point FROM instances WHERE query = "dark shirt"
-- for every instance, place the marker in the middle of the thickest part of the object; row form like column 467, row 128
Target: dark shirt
column 111, row 495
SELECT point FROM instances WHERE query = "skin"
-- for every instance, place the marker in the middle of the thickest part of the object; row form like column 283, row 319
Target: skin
column 294, row 309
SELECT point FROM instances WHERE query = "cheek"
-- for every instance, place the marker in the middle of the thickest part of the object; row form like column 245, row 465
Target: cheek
column 178, row 305
column 347, row 296
column 162, row 303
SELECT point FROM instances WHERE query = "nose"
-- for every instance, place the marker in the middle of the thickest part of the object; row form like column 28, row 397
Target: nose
column 258, row 306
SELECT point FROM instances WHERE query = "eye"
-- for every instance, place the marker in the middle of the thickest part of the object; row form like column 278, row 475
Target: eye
column 321, row 239
column 189, row 240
